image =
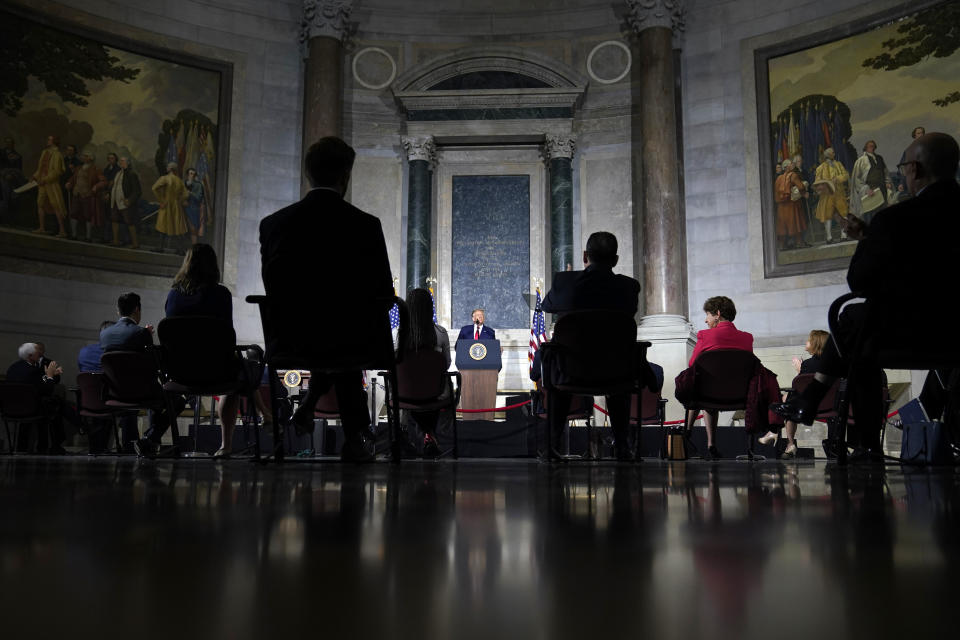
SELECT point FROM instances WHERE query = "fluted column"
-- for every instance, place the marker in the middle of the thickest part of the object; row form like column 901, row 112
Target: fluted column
column 662, row 232
column 322, row 30
column 558, row 152
column 421, row 157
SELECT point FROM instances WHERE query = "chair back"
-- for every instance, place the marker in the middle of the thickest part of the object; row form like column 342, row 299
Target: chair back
column 828, row 406
column 650, row 402
column 132, row 377
column 198, row 351
column 19, row 400
column 601, row 344
column 421, row 376
column 723, row 377
column 348, row 341
column 92, row 387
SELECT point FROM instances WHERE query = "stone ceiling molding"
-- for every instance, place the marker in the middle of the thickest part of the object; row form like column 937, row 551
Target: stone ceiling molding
column 325, row 18
column 645, row 14
column 565, row 85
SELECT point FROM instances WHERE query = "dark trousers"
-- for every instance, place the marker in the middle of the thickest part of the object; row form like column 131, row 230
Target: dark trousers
column 855, row 361
column 559, row 408
column 161, row 419
column 351, row 398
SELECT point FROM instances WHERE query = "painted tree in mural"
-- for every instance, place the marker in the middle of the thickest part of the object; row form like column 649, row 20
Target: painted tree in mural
column 934, row 32
column 62, row 62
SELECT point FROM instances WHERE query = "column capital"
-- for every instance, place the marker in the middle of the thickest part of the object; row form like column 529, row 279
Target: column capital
column 644, row 14
column 324, row 18
column 420, row 148
column 559, row 146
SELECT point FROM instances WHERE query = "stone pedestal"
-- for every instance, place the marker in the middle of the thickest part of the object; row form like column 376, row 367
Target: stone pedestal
column 673, row 339
column 558, row 150
column 421, row 155
column 322, row 29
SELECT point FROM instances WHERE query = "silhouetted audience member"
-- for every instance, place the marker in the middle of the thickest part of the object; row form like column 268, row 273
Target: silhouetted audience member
column 596, row 287
column 197, row 291
column 720, row 333
column 88, row 359
column 30, row 369
column 126, row 334
column 326, row 271
column 899, row 267
column 815, row 342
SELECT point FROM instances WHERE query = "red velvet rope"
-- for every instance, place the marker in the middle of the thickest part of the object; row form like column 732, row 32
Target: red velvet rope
column 512, row 406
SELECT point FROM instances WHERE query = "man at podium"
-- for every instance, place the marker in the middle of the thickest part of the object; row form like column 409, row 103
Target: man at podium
column 477, row 330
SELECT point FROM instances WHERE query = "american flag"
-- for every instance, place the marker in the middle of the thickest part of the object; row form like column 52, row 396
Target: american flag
column 394, row 316
column 538, row 331
column 433, row 301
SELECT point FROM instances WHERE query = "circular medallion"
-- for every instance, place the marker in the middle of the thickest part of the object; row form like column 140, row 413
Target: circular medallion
column 375, row 72
column 616, row 61
column 478, row 351
column 292, row 378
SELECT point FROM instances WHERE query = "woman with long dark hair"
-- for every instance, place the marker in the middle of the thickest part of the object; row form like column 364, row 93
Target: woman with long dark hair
column 197, row 291
column 425, row 334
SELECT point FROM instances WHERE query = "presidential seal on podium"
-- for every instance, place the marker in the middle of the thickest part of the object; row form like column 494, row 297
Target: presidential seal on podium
column 478, row 351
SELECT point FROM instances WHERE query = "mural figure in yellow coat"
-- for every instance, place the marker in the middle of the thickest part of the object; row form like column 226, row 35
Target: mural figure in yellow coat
column 172, row 195
column 831, row 184
column 49, row 193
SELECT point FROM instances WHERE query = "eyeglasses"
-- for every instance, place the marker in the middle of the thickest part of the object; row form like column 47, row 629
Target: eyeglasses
column 903, row 164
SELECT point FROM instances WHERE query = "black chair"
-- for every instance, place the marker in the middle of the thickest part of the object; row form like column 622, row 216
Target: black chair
column 581, row 408
column 920, row 352
column 648, row 408
column 21, row 404
column 91, row 406
column 421, row 385
column 365, row 343
column 593, row 352
column 134, row 381
column 199, row 356
column 721, row 382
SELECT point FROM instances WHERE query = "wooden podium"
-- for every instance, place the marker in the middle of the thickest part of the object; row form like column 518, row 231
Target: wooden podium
column 479, row 363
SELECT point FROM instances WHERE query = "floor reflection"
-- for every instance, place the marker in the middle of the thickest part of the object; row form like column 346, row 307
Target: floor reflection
column 478, row 548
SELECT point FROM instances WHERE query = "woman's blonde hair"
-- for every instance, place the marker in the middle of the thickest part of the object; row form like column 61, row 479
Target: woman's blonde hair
column 818, row 340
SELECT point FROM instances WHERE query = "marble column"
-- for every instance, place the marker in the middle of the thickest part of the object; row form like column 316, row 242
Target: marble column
column 558, row 151
column 421, row 157
column 322, row 30
column 662, row 228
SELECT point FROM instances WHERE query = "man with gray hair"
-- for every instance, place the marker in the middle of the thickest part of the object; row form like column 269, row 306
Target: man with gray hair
column 28, row 369
column 124, row 196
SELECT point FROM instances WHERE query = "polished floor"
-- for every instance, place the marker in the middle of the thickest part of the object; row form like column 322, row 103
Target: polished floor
column 113, row 547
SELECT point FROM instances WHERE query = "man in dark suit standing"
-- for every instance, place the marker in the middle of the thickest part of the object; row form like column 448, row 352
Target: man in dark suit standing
column 327, row 273
column 477, row 330
column 899, row 266
column 597, row 287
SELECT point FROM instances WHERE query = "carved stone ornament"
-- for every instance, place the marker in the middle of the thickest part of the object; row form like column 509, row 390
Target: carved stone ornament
column 656, row 13
column 324, row 18
column 420, row 149
column 557, row 146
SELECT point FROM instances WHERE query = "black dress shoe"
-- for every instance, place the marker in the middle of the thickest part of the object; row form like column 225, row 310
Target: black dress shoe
column 624, row 455
column 430, row 447
column 302, row 422
column 795, row 410
column 713, row 453
column 355, row 449
column 145, row 448
column 863, row 455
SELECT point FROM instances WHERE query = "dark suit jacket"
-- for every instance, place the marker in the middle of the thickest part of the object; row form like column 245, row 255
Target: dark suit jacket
column 325, row 264
column 466, row 333
column 905, row 262
column 215, row 301
column 125, row 335
column 592, row 288
column 27, row 373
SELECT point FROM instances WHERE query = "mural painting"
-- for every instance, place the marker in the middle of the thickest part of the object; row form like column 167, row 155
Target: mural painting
column 110, row 155
column 841, row 114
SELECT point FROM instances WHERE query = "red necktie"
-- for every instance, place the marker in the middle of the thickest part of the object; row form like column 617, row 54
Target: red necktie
column 476, row 334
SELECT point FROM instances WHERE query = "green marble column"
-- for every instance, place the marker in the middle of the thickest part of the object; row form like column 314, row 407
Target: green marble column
column 420, row 153
column 559, row 151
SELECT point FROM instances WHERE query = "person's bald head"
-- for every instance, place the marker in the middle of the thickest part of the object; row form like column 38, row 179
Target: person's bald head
column 930, row 158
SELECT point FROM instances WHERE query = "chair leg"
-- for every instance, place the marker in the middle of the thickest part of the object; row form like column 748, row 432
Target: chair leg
column 456, row 442
column 116, row 434
column 6, row 426
column 843, row 409
column 275, row 411
column 393, row 415
column 252, row 410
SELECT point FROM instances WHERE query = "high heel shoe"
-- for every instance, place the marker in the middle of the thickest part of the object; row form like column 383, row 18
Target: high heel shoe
column 769, row 438
column 790, row 452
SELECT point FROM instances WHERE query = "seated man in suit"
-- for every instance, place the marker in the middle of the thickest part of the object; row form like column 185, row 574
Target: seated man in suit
column 30, row 369
column 477, row 330
column 597, row 287
column 126, row 334
column 899, row 266
column 88, row 359
column 331, row 246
